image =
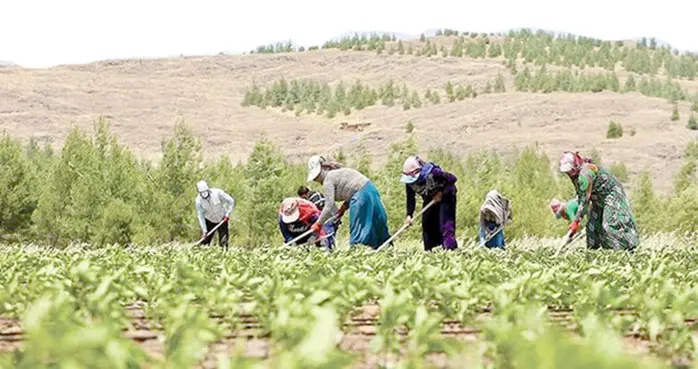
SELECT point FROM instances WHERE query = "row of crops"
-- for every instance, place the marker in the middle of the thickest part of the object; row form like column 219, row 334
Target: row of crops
column 181, row 307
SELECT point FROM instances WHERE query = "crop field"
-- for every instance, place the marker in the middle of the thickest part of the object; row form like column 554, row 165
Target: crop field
column 180, row 307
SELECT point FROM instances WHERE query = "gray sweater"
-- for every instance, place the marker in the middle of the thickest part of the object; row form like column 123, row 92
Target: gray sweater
column 340, row 185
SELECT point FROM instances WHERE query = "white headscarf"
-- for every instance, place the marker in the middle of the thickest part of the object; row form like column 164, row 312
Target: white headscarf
column 498, row 206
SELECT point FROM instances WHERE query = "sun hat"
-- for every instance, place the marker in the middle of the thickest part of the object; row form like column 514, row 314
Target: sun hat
column 289, row 210
column 314, row 166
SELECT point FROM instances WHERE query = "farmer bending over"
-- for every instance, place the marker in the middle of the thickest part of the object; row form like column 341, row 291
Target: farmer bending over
column 600, row 194
column 212, row 207
column 431, row 183
column 296, row 216
column 495, row 214
column 368, row 221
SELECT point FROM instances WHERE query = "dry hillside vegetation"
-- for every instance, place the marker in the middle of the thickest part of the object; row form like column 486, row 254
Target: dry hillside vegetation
column 142, row 99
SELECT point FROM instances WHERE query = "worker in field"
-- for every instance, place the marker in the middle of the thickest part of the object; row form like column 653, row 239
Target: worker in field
column 495, row 214
column 315, row 197
column 430, row 182
column 600, row 195
column 297, row 216
column 213, row 206
column 368, row 220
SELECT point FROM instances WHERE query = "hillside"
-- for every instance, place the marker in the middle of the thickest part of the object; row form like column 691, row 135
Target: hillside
column 142, row 99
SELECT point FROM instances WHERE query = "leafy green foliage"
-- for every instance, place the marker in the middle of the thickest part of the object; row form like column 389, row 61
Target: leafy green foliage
column 692, row 123
column 528, row 307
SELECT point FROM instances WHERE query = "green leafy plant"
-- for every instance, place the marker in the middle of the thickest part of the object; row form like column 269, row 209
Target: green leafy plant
column 615, row 130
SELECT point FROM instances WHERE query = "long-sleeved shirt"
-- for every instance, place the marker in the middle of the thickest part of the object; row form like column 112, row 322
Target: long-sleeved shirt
column 340, row 185
column 437, row 180
column 218, row 206
column 318, row 199
column 309, row 213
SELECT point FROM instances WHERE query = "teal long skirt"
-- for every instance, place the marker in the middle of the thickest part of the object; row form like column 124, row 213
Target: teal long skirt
column 368, row 220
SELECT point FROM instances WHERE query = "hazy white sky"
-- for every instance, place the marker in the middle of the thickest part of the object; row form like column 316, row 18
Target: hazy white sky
column 40, row 33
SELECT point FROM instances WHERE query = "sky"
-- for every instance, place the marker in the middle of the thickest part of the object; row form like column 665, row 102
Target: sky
column 43, row 33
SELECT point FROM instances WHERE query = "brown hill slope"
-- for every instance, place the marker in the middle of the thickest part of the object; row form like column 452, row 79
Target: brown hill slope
column 143, row 99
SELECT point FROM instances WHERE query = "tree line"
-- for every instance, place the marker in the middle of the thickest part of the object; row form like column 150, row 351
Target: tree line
column 95, row 190
column 305, row 96
column 543, row 80
column 646, row 56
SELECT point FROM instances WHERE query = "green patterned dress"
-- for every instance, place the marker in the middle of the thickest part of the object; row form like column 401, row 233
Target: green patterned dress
column 611, row 222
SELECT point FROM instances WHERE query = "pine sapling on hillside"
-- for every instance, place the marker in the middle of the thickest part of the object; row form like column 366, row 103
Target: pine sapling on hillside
column 499, row 85
column 615, row 130
column 461, row 93
column 675, row 113
column 692, row 124
column 415, row 100
column 449, row 92
column 409, row 127
column 435, row 97
column 629, row 84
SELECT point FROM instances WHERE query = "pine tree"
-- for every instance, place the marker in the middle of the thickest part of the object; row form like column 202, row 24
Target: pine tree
column 494, row 51
column 400, row 48
column 692, row 124
column 435, row 97
column 340, row 95
column 523, row 80
column 630, row 84
column 615, row 130
column 675, row 113
column 499, row 85
column 415, row 100
column 405, row 94
column 409, row 127
column 427, row 95
column 461, row 94
column 449, row 92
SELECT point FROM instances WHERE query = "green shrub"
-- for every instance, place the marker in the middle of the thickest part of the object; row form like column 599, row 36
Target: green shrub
column 620, row 171
column 18, row 188
column 615, row 130
column 675, row 113
column 410, row 127
column 692, row 124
